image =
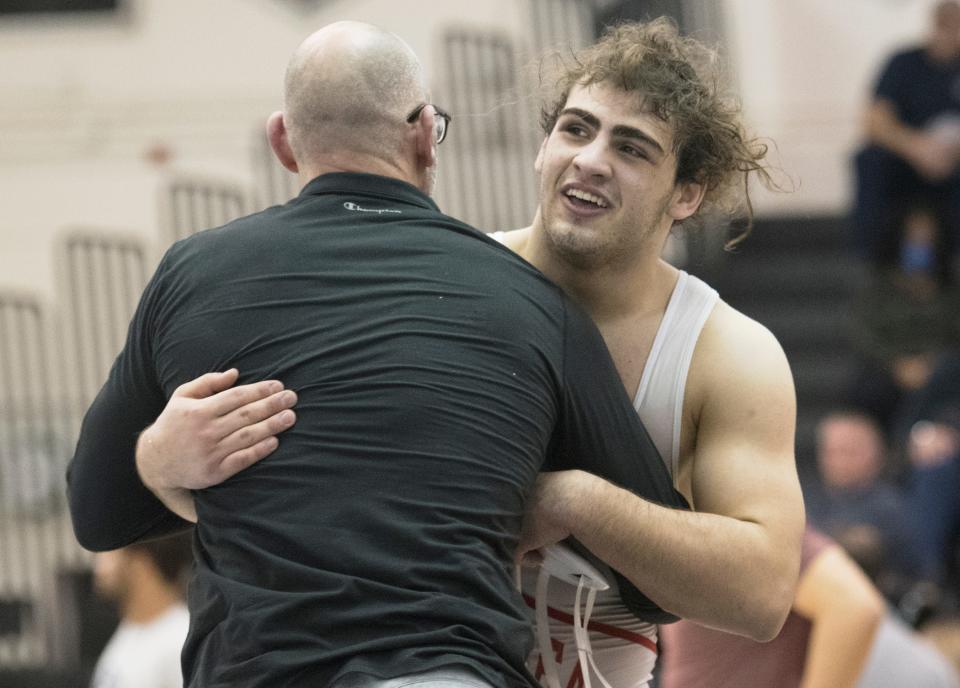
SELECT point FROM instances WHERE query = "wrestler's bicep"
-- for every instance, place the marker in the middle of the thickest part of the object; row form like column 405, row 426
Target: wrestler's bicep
column 744, row 463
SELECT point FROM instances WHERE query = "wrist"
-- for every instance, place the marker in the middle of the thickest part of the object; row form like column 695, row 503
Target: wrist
column 142, row 454
column 571, row 495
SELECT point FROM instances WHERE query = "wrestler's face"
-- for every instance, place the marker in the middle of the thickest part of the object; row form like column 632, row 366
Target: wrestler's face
column 607, row 179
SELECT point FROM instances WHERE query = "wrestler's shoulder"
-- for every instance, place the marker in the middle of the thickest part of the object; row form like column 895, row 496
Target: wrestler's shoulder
column 514, row 239
column 734, row 348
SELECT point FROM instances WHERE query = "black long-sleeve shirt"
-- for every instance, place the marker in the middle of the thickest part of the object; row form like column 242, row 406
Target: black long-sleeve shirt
column 435, row 370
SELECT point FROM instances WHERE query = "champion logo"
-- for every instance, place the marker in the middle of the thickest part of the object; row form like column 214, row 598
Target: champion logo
column 360, row 209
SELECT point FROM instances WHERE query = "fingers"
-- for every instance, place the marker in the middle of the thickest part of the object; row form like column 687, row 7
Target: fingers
column 244, row 458
column 207, row 385
column 247, row 446
column 236, row 398
column 226, row 429
column 255, row 411
column 252, row 435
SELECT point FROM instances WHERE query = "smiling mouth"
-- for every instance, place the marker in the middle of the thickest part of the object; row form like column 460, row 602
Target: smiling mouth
column 583, row 199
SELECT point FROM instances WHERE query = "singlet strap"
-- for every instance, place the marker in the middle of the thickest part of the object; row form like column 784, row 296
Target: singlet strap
column 660, row 395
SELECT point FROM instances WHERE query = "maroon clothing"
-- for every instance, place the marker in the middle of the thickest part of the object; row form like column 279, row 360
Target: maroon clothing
column 698, row 657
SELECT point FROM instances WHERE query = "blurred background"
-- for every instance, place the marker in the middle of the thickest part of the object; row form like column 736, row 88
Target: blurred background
column 128, row 124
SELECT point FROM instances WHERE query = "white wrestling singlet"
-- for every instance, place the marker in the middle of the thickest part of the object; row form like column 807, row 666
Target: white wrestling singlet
column 625, row 648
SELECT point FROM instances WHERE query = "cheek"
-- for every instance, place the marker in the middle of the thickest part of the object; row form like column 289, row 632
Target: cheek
column 549, row 172
column 546, row 166
column 538, row 163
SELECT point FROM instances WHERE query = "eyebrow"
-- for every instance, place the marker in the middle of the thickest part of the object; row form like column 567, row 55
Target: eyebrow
column 619, row 130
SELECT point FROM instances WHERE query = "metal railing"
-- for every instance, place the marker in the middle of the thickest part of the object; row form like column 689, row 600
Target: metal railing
column 35, row 535
column 488, row 82
column 486, row 173
column 190, row 204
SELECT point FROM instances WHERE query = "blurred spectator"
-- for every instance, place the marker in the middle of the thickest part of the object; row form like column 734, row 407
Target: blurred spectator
column 824, row 643
column 913, row 138
column 938, row 400
column 146, row 582
column 927, row 436
column 838, row 635
column 905, row 320
column 857, row 505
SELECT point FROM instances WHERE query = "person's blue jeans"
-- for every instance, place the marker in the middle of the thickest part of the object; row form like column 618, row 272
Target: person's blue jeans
column 885, row 187
column 935, row 495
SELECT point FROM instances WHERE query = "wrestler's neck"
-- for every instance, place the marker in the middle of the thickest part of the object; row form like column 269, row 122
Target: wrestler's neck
column 611, row 290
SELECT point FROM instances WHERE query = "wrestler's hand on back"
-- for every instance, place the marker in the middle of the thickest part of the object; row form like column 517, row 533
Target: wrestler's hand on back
column 208, row 432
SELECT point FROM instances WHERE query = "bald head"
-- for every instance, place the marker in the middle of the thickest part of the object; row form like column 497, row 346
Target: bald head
column 348, row 87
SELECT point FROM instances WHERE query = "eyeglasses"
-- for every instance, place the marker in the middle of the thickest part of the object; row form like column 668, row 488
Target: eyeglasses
column 442, row 120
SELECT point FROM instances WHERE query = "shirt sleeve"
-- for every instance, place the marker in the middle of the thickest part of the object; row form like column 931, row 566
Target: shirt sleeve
column 598, row 429
column 599, row 432
column 110, row 507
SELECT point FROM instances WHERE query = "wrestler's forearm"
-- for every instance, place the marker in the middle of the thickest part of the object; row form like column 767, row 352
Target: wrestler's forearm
column 715, row 570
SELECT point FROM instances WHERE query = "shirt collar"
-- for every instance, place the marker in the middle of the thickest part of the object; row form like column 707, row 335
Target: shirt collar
column 368, row 185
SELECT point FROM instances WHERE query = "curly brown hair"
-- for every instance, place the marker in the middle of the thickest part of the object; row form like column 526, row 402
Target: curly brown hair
column 679, row 79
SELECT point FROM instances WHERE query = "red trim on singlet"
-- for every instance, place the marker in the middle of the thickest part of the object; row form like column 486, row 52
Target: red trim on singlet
column 598, row 626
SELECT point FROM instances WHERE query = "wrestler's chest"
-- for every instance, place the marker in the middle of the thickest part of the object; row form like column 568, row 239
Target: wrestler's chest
column 630, row 344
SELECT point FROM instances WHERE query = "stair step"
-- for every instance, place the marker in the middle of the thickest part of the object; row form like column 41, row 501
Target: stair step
column 806, row 440
column 802, row 327
column 831, row 277
column 822, row 378
column 796, row 276
column 39, row 677
column 801, row 234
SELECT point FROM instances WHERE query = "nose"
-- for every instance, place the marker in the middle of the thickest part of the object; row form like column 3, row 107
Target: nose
column 592, row 161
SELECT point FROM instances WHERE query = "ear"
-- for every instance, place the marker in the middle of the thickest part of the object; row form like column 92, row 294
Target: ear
column 538, row 163
column 686, row 200
column 426, row 138
column 280, row 143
